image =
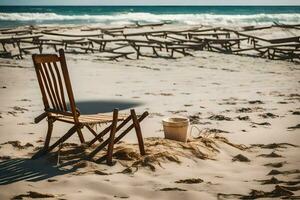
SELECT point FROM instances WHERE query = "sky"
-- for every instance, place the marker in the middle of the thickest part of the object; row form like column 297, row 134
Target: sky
column 150, row 2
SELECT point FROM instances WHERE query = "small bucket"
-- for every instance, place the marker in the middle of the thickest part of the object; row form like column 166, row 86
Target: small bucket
column 175, row 128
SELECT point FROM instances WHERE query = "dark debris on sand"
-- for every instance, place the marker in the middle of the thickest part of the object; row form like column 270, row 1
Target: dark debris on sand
column 295, row 112
column 273, row 145
column 274, row 180
column 121, row 197
column 243, row 118
column 276, row 172
column 194, row 119
column 276, row 164
column 270, row 155
column 172, row 189
column 294, row 97
column 255, row 102
column 249, row 110
column 240, row 158
column 213, row 131
column 294, row 127
column 177, row 111
column 33, row 195
column 17, row 144
column 219, row 118
column 262, row 123
column 268, row 115
column 190, row 181
column 101, row 173
column 5, row 157
column 278, row 191
column 129, row 170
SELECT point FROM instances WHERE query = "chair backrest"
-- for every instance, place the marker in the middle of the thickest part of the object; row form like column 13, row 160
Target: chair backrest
column 54, row 81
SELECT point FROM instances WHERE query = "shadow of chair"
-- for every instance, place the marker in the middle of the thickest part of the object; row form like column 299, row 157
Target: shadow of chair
column 21, row 169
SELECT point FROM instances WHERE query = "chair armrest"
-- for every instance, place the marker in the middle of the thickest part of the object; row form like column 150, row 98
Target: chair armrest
column 40, row 117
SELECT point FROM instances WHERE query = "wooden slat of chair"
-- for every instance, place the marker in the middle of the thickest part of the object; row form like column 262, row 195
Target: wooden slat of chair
column 55, row 86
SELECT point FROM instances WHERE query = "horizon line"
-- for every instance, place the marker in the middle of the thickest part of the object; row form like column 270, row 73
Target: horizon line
column 160, row 5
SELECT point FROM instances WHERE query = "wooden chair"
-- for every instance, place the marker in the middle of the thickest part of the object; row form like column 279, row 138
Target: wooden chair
column 55, row 85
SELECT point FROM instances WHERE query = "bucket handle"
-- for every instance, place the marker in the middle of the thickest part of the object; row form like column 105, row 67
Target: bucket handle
column 191, row 131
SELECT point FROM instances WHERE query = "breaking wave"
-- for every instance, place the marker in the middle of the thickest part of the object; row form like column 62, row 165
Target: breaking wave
column 190, row 19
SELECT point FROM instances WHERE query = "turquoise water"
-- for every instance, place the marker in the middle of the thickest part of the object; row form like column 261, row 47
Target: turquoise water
column 218, row 15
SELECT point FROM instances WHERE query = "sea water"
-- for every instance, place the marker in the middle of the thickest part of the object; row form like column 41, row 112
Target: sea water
column 120, row 15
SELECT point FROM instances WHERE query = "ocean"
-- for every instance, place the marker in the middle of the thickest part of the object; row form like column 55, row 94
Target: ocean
column 11, row 16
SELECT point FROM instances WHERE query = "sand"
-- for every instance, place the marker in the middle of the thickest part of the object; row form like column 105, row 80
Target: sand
column 246, row 108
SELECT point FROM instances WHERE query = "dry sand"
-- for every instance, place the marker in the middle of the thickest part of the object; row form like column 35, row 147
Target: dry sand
column 247, row 109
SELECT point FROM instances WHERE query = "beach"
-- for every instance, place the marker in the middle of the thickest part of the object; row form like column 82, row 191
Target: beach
column 244, row 111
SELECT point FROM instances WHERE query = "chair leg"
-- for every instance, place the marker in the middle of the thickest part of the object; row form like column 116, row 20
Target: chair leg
column 106, row 130
column 94, row 133
column 49, row 133
column 81, row 138
column 138, row 131
column 103, row 144
column 112, row 137
column 59, row 141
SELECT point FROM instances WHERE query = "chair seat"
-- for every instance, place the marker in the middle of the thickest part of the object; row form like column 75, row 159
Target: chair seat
column 89, row 119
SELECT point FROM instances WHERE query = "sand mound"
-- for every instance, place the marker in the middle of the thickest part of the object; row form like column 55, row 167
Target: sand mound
column 158, row 151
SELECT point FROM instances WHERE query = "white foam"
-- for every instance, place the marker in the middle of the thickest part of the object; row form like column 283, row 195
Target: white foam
column 192, row 19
